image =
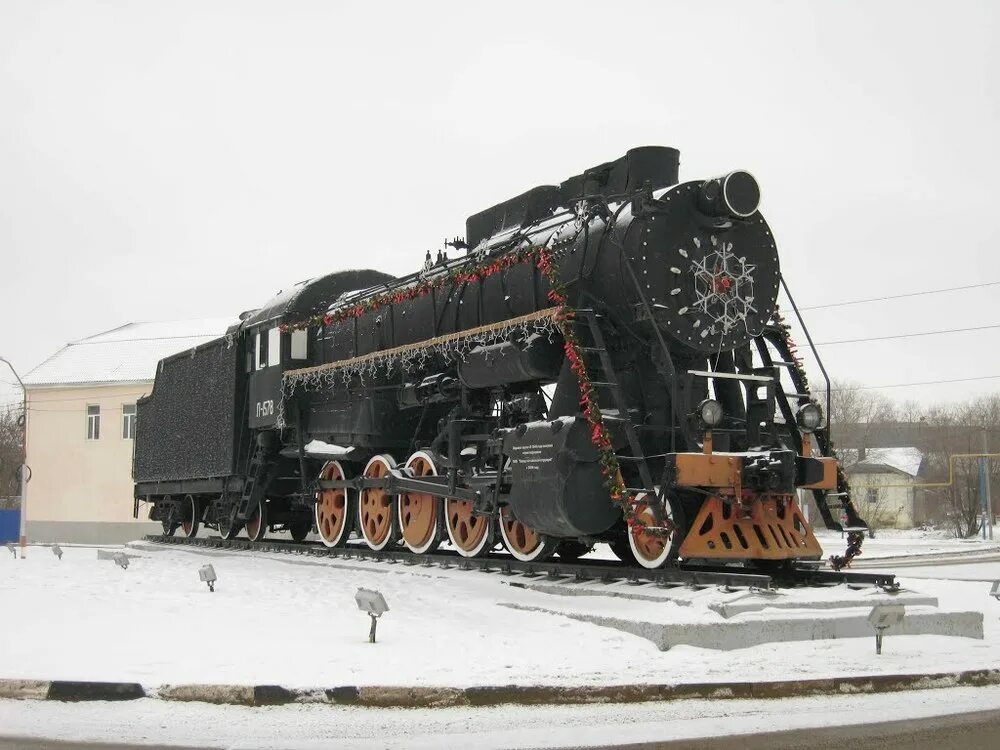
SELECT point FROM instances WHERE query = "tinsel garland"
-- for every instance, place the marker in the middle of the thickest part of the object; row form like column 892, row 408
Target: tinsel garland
column 414, row 357
column 854, row 538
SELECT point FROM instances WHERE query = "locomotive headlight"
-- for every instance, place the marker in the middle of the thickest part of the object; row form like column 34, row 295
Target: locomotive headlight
column 710, row 413
column 735, row 194
column 809, row 418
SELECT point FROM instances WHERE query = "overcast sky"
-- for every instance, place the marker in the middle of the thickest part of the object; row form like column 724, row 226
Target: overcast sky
column 188, row 159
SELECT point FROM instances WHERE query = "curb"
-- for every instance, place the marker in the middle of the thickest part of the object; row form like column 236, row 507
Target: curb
column 524, row 695
column 65, row 690
column 34, row 689
column 71, row 690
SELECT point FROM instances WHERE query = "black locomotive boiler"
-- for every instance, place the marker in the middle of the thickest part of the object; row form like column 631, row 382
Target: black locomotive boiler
column 602, row 361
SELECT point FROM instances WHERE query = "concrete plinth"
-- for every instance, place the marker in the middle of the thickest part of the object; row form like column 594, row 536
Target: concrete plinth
column 779, row 627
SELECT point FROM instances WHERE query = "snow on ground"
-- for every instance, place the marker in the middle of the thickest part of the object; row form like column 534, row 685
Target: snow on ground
column 282, row 619
column 891, row 543
column 305, row 727
column 986, row 572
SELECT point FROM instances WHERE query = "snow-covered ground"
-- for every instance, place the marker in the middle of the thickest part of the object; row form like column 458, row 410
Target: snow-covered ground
column 282, row 619
column 916, row 553
column 305, row 727
column 893, row 543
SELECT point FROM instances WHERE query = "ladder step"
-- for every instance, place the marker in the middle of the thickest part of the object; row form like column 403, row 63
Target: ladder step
column 604, row 384
column 591, row 349
column 780, row 363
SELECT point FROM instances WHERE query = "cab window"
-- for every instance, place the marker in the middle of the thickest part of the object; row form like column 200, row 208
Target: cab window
column 273, row 347
column 300, row 341
column 260, row 347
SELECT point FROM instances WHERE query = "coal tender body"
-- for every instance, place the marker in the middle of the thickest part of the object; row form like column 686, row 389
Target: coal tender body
column 603, row 362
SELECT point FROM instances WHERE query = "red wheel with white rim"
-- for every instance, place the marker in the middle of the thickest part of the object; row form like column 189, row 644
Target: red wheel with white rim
column 650, row 548
column 256, row 525
column 375, row 506
column 471, row 535
column 191, row 516
column 419, row 512
column 333, row 508
column 522, row 541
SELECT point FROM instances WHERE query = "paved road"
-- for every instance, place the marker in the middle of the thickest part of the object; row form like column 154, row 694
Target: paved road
column 970, row 731
column 957, row 732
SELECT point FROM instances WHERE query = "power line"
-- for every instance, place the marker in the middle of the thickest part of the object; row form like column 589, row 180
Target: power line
column 900, row 296
column 906, row 385
column 907, row 335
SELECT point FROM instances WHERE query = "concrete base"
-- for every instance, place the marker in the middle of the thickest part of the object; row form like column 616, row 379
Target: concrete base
column 758, row 603
column 729, row 635
column 89, row 532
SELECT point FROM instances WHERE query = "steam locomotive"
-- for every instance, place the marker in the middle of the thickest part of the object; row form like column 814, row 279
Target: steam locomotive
column 603, row 361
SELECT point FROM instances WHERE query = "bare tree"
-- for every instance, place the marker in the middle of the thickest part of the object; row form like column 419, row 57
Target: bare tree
column 866, row 411
column 11, row 442
column 949, row 432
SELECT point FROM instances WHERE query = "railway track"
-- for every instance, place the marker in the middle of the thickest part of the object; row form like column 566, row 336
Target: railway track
column 698, row 576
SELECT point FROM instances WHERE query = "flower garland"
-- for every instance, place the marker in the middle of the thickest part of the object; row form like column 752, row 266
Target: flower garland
column 599, row 434
column 456, row 276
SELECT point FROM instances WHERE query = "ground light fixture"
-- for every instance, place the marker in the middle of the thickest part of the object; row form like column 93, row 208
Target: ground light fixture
column 12, row 549
column 995, row 591
column 57, row 551
column 121, row 560
column 374, row 604
column 882, row 617
column 206, row 573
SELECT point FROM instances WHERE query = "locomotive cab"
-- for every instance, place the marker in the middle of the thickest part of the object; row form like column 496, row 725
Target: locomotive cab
column 270, row 352
column 272, row 349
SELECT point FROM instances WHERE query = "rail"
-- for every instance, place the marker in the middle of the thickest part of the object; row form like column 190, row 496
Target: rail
column 577, row 570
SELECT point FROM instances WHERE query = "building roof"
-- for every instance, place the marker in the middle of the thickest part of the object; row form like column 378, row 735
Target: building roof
column 905, row 460
column 127, row 354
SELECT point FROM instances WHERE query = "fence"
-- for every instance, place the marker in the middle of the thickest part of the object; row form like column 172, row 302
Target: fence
column 10, row 525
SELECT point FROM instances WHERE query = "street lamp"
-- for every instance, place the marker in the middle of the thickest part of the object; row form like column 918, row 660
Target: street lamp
column 25, row 471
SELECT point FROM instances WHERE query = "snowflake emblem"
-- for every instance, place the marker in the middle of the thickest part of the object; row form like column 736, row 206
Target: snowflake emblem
column 723, row 288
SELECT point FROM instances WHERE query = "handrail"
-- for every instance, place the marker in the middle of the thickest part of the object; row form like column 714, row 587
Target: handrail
column 788, row 293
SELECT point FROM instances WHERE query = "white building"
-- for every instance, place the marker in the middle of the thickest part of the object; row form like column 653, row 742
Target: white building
column 81, row 426
column 882, row 482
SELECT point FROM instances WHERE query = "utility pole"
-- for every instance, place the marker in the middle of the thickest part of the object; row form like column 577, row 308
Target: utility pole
column 984, row 488
column 25, row 471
